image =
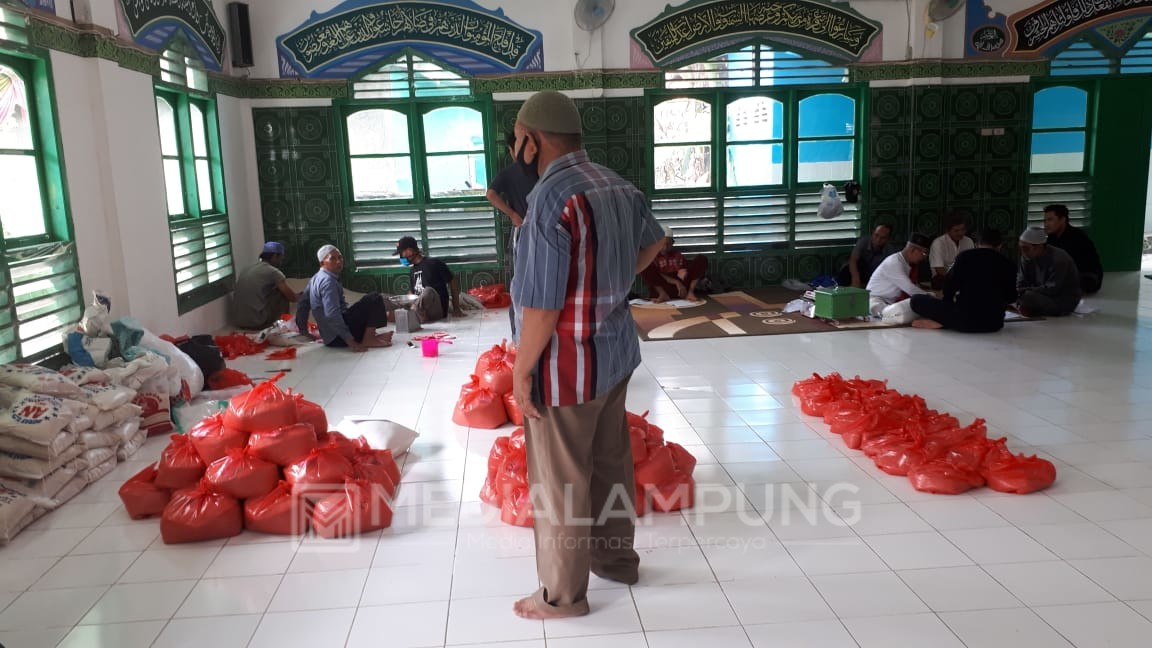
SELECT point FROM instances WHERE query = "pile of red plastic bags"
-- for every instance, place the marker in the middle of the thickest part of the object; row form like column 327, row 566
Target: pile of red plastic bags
column 904, row 437
column 663, row 474
column 486, row 400
column 266, row 463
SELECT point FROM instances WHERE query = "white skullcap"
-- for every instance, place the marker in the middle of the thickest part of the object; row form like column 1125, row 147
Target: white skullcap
column 1034, row 235
column 323, row 252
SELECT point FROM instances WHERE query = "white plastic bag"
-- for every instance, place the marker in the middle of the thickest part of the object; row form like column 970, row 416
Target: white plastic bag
column 96, row 321
column 380, row 433
column 830, row 204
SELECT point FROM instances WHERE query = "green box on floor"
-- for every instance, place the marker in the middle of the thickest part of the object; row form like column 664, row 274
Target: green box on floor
column 841, row 302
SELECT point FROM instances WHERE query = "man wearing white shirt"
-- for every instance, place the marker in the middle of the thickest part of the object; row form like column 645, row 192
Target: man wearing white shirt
column 896, row 278
column 946, row 246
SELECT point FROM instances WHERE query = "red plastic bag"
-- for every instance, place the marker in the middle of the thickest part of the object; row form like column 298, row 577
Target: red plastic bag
column 674, row 495
column 943, row 477
column 226, row 378
column 496, row 378
column 516, row 508
column 211, row 438
column 242, row 475
column 309, row 412
column 856, row 421
column 376, row 474
column 287, row 353
column 898, row 456
column 513, row 410
column 338, row 442
column 683, row 460
column 180, row 465
column 658, row 468
column 238, row 345
column 496, row 455
column 1012, row 473
column 367, row 455
column 479, row 407
column 517, row 440
column 142, row 497
column 200, row 513
column 513, row 474
column 264, row 407
column 488, row 492
column 278, row 512
column 639, row 448
column 969, row 454
column 360, row 507
column 284, row 445
column 492, row 296
column 500, row 355
column 318, row 474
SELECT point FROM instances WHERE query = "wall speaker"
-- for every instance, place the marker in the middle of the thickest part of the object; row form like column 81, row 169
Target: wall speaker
column 239, row 34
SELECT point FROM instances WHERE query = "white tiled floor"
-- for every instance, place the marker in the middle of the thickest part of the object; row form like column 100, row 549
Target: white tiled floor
column 804, row 544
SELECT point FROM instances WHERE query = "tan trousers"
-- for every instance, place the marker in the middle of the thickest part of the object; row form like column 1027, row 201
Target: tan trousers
column 582, row 486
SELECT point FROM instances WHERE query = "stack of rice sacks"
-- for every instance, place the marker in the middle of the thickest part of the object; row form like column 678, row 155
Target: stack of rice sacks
column 59, row 432
column 663, row 474
column 486, row 399
column 267, row 463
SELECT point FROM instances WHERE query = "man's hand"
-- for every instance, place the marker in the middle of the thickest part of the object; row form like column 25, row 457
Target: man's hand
column 681, row 289
column 522, row 394
column 682, row 274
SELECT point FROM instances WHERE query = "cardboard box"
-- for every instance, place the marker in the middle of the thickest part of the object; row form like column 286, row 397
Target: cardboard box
column 842, row 302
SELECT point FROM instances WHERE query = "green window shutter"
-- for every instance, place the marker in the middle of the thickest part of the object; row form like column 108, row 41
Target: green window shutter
column 812, row 231
column 462, row 234
column 375, row 232
column 1074, row 194
column 45, row 291
column 755, row 222
column 694, row 221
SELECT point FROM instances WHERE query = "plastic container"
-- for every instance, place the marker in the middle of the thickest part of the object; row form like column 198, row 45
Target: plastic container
column 841, row 303
column 430, row 347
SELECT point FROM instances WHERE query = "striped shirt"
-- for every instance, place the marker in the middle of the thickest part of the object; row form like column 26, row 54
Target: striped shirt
column 577, row 254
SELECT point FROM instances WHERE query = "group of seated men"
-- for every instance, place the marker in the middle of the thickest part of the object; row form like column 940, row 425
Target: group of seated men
column 262, row 296
column 976, row 283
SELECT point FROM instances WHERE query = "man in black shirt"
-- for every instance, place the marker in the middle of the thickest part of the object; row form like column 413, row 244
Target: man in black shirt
column 977, row 290
column 508, row 192
column 432, row 281
column 1076, row 243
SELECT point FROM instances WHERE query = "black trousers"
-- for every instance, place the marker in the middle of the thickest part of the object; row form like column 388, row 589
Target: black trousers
column 1090, row 283
column 369, row 311
column 951, row 316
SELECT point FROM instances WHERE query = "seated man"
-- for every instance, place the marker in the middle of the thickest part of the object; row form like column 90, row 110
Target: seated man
column 869, row 252
column 671, row 276
column 896, row 278
column 1047, row 282
column 1076, row 243
column 432, row 281
column 977, row 290
column 946, row 246
column 341, row 326
column 262, row 294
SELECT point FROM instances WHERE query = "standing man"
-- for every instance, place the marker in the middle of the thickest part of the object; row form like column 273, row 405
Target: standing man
column 508, row 192
column 1047, row 282
column 1076, row 243
column 869, row 252
column 588, row 233
column 977, row 290
column 944, row 249
column 432, row 281
column 341, row 326
column 262, row 294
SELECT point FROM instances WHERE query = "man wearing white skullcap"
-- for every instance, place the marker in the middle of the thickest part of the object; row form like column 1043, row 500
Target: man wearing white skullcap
column 1047, row 280
column 340, row 325
column 671, row 276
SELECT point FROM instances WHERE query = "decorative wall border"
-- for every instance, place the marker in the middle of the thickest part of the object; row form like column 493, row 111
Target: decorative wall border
column 588, row 80
column 947, row 69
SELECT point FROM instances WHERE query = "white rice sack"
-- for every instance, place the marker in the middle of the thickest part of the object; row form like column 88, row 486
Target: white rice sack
column 70, row 490
column 128, row 429
column 109, row 397
column 62, row 442
column 79, row 424
column 85, row 375
column 20, row 525
column 97, row 456
column 96, row 472
column 25, row 467
column 116, row 416
column 185, row 366
column 15, row 507
column 131, row 446
column 50, row 485
column 35, row 418
column 380, row 433
column 108, row 438
column 38, row 379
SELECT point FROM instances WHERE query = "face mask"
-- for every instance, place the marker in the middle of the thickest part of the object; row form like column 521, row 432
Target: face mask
column 531, row 168
column 405, row 262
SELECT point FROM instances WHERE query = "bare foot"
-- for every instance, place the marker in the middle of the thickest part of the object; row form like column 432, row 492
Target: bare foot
column 530, row 608
column 926, row 324
column 660, row 297
column 691, row 296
